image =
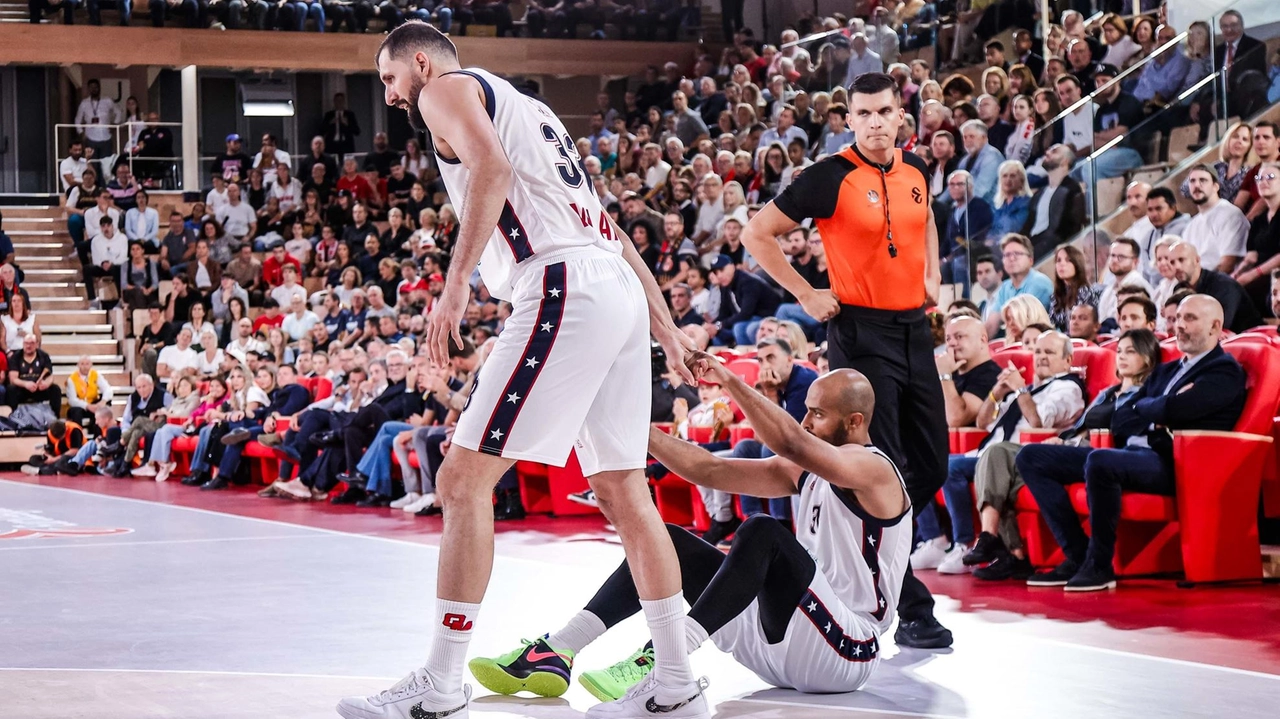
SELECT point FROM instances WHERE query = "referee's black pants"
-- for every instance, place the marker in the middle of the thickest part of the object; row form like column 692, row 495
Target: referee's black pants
column 894, row 349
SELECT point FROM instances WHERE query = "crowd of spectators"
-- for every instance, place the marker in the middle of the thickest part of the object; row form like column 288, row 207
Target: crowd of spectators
column 325, row 267
column 633, row 19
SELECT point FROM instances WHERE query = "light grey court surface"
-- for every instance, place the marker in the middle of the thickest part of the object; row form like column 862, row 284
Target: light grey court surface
column 195, row 615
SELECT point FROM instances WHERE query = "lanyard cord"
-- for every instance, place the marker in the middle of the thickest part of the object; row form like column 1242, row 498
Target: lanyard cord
column 888, row 221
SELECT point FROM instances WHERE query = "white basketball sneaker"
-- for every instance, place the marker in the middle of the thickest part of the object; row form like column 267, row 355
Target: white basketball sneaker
column 413, row 697
column 640, row 702
column 954, row 561
column 929, row 554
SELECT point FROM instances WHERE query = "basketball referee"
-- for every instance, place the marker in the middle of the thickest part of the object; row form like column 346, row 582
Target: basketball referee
column 871, row 202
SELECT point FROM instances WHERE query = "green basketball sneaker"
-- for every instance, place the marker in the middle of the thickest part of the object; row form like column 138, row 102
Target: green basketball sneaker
column 534, row 667
column 610, row 684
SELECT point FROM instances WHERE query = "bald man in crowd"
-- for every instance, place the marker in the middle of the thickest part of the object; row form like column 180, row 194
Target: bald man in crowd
column 1238, row 312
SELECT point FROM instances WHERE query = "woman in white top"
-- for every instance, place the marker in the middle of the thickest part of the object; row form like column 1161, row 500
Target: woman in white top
column 1165, row 288
column 259, row 395
column 199, row 324
column 414, row 160
column 19, row 323
column 1022, row 139
column 1120, row 47
column 209, row 362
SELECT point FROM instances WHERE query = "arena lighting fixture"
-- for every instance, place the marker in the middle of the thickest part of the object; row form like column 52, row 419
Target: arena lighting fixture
column 266, row 99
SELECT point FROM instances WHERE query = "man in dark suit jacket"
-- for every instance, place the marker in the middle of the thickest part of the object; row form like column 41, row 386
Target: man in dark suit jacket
column 1057, row 208
column 968, row 218
column 1239, row 53
column 339, row 128
column 1204, row 390
column 1238, row 311
column 1024, row 53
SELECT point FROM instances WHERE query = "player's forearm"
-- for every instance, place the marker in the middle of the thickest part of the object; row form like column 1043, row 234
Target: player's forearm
column 773, row 426
column 486, row 195
column 687, row 459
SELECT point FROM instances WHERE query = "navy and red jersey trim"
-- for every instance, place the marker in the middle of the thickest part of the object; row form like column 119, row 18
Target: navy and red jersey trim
column 852, row 649
column 871, row 555
column 513, row 231
column 536, row 352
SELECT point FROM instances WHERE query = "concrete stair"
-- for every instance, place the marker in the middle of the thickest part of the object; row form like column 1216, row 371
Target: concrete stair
column 53, row 279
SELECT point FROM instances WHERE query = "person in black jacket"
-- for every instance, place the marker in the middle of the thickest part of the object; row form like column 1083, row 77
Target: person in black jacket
column 1203, row 390
column 1237, row 309
column 745, row 300
column 398, row 402
column 1058, row 207
column 339, row 128
column 287, row 399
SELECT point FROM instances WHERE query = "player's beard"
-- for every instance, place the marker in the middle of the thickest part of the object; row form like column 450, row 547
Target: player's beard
column 416, row 121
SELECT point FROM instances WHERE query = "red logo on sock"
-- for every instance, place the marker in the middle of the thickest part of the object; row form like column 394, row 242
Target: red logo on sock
column 457, row 622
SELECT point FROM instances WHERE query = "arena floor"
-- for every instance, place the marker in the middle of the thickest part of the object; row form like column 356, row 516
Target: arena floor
column 132, row 600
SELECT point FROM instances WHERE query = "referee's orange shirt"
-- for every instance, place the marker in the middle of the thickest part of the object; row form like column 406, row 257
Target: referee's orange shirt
column 844, row 194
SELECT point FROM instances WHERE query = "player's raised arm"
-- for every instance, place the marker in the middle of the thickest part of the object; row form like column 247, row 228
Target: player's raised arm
column 841, row 401
column 466, row 129
column 771, row 477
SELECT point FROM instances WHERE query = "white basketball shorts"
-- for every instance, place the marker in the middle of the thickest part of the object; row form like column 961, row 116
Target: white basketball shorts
column 570, row 370
column 827, row 649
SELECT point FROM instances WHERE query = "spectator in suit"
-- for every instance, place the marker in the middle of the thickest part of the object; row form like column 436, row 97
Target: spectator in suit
column 981, row 159
column 998, row 131
column 1056, row 209
column 339, row 129
column 1023, row 48
column 1204, row 390
column 968, row 219
column 1238, row 53
column 1235, row 310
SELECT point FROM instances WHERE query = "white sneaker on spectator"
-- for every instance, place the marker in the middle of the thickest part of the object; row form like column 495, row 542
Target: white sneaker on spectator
column 954, row 561
column 423, row 501
column 406, row 500
column 166, row 469
column 929, row 554
column 411, row 698
column 146, row 470
column 294, row 488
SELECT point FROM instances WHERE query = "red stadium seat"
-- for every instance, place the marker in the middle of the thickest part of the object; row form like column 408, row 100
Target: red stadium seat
column 1096, row 366
column 1023, row 359
column 747, row 369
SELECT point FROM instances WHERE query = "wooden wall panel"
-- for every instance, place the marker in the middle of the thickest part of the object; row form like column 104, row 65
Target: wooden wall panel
column 250, row 49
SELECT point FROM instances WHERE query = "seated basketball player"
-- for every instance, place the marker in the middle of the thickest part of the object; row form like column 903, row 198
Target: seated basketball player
column 803, row 610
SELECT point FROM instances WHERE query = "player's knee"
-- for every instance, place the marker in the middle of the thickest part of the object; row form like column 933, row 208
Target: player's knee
column 758, row 528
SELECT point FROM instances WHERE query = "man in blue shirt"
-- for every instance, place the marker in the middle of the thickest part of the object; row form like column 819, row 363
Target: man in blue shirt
column 786, row 383
column 1022, row 279
column 1162, row 78
column 981, row 160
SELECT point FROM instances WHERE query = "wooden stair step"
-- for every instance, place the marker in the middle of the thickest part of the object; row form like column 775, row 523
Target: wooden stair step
column 75, row 329
column 90, row 317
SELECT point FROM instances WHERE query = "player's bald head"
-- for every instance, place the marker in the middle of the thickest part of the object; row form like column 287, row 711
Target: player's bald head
column 844, row 392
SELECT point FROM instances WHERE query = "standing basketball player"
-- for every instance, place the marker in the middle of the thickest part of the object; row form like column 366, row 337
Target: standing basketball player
column 803, row 610
column 569, row 371
column 871, row 202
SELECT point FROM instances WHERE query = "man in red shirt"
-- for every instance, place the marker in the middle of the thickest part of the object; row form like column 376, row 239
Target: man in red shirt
column 353, row 182
column 271, row 316
column 273, row 267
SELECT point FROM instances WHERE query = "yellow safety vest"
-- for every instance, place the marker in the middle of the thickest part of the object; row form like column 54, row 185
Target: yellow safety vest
column 86, row 389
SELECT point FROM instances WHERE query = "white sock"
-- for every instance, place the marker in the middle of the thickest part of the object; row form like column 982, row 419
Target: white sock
column 583, row 629
column 671, row 657
column 448, row 653
column 694, row 634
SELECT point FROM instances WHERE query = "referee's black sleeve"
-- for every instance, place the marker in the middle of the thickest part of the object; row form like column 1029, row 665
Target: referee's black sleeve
column 816, row 191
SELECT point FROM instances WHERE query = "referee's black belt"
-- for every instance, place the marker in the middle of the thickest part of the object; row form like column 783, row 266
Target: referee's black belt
column 879, row 315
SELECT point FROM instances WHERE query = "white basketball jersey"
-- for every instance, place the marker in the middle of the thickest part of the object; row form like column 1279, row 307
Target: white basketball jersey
column 863, row 558
column 552, row 204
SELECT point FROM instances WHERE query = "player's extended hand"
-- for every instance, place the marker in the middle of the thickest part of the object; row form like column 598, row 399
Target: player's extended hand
column 821, row 305
column 444, row 322
column 707, row 366
column 678, row 346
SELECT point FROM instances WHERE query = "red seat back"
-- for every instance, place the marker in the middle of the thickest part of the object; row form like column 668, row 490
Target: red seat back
column 1022, row 359
column 1169, row 350
column 1266, row 330
column 1261, row 364
column 1096, row 366
column 747, row 369
column 319, row 387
